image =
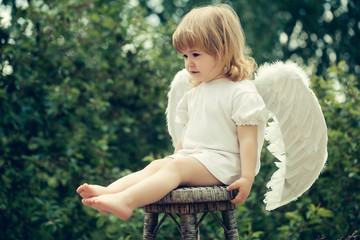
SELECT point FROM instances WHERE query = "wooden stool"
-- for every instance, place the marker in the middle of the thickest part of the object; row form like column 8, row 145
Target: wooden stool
column 187, row 202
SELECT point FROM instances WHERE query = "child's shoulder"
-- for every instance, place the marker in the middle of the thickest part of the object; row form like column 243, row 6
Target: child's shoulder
column 227, row 85
column 245, row 86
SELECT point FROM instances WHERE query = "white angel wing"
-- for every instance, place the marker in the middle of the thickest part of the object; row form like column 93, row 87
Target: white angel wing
column 298, row 134
column 179, row 86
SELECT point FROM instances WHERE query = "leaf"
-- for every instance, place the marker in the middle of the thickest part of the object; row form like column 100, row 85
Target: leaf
column 325, row 213
column 100, row 221
column 257, row 234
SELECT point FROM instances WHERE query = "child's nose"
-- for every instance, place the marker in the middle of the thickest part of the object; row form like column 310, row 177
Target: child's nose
column 189, row 63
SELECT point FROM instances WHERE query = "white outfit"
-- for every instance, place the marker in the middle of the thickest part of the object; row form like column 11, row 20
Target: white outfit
column 210, row 113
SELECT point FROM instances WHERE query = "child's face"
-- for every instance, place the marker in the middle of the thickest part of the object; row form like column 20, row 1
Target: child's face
column 202, row 66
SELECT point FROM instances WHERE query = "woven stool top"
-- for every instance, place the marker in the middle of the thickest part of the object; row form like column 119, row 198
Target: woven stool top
column 198, row 194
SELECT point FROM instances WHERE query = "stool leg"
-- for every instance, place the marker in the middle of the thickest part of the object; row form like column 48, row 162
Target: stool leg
column 150, row 223
column 188, row 224
column 230, row 223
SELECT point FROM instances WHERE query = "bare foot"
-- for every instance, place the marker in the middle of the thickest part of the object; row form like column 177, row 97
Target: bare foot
column 88, row 203
column 89, row 191
column 113, row 203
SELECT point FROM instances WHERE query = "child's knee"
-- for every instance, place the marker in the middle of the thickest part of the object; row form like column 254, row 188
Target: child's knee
column 182, row 166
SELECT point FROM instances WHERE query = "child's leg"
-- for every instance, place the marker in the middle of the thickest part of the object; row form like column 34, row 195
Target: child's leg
column 88, row 191
column 187, row 171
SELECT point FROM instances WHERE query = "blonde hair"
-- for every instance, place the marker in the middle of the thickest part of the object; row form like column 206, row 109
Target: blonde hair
column 217, row 30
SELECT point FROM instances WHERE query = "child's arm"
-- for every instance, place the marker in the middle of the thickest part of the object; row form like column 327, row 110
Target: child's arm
column 247, row 136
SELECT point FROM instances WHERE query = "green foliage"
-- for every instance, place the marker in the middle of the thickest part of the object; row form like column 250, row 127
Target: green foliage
column 318, row 32
column 339, row 186
column 84, row 101
column 82, row 98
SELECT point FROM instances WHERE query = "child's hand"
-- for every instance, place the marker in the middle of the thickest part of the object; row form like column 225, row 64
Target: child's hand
column 243, row 185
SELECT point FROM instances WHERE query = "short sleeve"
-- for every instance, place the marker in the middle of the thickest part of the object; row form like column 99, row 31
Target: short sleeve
column 182, row 115
column 248, row 108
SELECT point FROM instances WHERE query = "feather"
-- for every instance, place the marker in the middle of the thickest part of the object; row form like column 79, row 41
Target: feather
column 298, row 134
column 179, row 86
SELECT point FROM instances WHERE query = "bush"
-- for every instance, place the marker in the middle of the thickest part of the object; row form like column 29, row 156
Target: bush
column 82, row 98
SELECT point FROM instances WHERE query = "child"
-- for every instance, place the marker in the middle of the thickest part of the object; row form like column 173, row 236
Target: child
column 223, row 115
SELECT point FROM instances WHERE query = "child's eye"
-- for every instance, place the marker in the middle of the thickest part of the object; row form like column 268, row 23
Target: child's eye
column 185, row 56
column 196, row 54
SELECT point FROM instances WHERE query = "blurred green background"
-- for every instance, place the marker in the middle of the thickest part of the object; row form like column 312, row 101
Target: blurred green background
column 83, row 88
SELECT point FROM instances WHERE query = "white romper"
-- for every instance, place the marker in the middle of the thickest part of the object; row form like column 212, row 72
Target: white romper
column 210, row 114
